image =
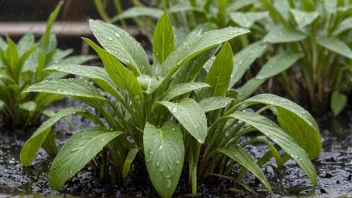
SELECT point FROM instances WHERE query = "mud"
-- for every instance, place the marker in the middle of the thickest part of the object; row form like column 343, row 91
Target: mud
column 334, row 168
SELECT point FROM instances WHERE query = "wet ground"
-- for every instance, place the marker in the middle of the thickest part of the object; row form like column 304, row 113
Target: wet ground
column 334, row 168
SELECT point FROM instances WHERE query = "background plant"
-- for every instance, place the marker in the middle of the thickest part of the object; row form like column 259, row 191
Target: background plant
column 21, row 66
column 181, row 113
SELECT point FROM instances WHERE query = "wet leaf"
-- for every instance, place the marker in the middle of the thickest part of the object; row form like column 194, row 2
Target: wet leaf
column 303, row 18
column 121, row 76
column 245, row 58
column 247, row 19
column 181, row 89
column 219, row 74
column 136, row 12
column 249, row 88
column 278, row 64
column 346, row 24
column 149, row 84
column 164, row 155
column 31, row 147
column 283, row 34
column 82, row 147
column 29, row 106
column 190, row 115
column 69, row 87
column 239, row 155
column 197, row 45
column 121, row 45
column 335, row 45
column 128, row 162
column 296, row 121
column 214, row 103
column 163, row 40
column 276, row 134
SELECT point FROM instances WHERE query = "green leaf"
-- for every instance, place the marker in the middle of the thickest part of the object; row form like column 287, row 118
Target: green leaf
column 278, row 64
column 303, row 18
column 3, row 44
column 70, row 87
column 305, row 131
column 283, row 34
column 77, row 59
column 128, row 161
column 245, row 58
column 28, row 106
column 346, row 24
column 136, row 12
column 26, row 42
column 214, row 103
column 247, row 19
column 82, row 147
column 219, row 74
column 164, row 155
column 249, row 88
column 338, row 102
column 237, row 153
column 97, row 74
column 163, row 40
column 149, row 84
column 276, row 134
column 11, row 55
column 31, row 147
column 121, row 45
column 197, row 45
column 49, row 144
column 121, row 76
column 190, row 115
column 335, row 45
column 181, row 89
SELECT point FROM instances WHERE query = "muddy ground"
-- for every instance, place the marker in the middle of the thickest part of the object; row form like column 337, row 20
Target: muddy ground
column 334, row 168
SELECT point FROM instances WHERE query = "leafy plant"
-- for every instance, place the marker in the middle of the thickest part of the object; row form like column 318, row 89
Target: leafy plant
column 320, row 30
column 180, row 114
column 21, row 65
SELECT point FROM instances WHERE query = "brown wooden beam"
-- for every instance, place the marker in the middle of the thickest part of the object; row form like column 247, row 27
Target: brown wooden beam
column 61, row 29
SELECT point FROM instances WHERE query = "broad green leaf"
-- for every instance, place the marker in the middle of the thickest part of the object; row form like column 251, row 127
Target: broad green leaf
column 237, row 5
column 69, row 87
column 296, row 121
column 346, row 24
column 335, row 45
column 338, row 102
column 3, row 44
column 163, row 40
column 330, row 6
column 128, row 161
column 136, row 12
column 197, row 45
column 190, row 115
column 276, row 134
column 303, row 18
column 283, row 34
column 219, row 74
column 121, row 76
column 31, row 147
column 28, row 106
column 82, row 147
column 181, row 89
column 77, row 59
column 121, row 45
column 183, row 7
column 278, row 64
column 97, row 74
column 247, row 19
column 149, row 84
column 214, row 103
column 249, row 88
column 239, row 155
column 245, row 58
column 164, row 156
column 11, row 55
column 49, row 144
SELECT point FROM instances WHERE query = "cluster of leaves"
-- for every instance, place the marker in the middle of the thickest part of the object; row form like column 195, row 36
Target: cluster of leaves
column 179, row 114
column 320, row 30
column 21, row 66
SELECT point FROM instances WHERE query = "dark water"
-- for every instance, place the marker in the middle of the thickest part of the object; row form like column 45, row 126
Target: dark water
column 334, row 168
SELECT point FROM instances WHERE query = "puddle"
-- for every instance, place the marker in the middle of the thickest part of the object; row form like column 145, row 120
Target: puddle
column 334, row 168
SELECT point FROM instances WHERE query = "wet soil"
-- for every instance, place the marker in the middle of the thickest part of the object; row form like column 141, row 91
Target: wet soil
column 334, row 168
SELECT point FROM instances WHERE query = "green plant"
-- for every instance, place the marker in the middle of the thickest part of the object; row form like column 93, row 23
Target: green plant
column 321, row 31
column 181, row 113
column 21, row 65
